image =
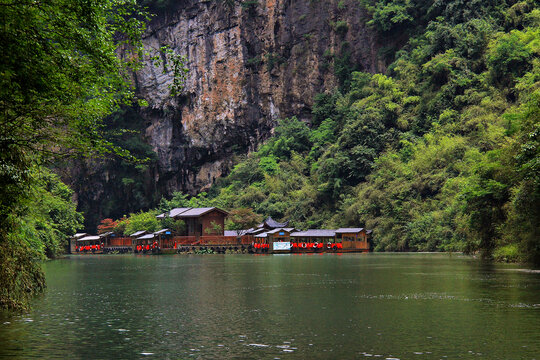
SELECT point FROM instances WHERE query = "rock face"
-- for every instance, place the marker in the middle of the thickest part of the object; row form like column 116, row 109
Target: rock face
column 250, row 63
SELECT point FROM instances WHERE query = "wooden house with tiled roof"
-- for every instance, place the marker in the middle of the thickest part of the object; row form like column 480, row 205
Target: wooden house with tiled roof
column 199, row 221
column 353, row 238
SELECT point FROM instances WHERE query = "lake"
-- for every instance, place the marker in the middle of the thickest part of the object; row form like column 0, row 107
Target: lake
column 318, row 306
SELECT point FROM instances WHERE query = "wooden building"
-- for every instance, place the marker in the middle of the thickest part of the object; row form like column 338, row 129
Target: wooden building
column 164, row 238
column 201, row 221
column 205, row 228
column 89, row 243
column 281, row 234
column 147, row 239
column 314, row 236
column 316, row 240
column 353, row 238
column 138, row 234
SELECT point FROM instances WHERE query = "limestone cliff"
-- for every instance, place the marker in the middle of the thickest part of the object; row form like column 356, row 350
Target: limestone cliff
column 250, row 63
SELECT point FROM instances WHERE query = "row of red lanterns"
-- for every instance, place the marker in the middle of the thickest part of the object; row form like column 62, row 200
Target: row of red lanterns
column 316, row 245
column 304, row 246
column 261, row 246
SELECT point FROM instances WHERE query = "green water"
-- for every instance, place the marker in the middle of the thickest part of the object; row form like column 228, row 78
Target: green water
column 405, row 306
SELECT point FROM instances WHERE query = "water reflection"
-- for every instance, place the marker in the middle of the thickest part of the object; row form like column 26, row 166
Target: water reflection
column 420, row 306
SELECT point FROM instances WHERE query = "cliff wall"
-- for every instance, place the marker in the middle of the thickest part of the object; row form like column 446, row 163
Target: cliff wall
column 250, row 63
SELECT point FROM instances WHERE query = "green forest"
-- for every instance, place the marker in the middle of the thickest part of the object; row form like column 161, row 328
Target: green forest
column 439, row 153
column 60, row 77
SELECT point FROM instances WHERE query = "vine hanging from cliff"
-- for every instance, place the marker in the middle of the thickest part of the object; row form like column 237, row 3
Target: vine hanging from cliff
column 170, row 61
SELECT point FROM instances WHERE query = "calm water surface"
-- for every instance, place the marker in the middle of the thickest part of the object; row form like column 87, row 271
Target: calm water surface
column 406, row 306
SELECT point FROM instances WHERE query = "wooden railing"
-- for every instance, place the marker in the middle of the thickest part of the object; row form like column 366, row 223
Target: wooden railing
column 121, row 241
column 219, row 240
column 184, row 240
column 247, row 240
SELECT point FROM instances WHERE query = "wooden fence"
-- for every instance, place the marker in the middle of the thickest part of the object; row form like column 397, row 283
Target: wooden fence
column 182, row 240
column 218, row 240
column 121, row 241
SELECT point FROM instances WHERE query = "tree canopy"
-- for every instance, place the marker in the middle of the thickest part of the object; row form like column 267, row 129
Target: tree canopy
column 60, row 74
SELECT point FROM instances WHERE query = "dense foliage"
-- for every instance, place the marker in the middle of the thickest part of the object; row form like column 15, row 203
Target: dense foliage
column 42, row 231
column 441, row 153
column 59, row 76
column 242, row 219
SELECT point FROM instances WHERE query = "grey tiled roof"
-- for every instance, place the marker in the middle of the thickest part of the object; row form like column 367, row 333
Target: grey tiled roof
column 177, row 211
column 138, row 233
column 273, row 224
column 281, row 229
column 161, row 231
column 230, row 232
column 195, row 212
column 79, row 235
column 146, row 237
column 256, row 231
column 314, row 233
column 348, row 230
column 276, row 230
column 87, row 238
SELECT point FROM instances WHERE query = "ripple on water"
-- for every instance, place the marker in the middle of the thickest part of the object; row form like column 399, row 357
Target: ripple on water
column 436, row 296
column 524, row 270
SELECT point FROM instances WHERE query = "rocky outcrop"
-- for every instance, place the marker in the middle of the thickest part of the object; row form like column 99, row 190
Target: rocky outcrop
column 250, row 63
